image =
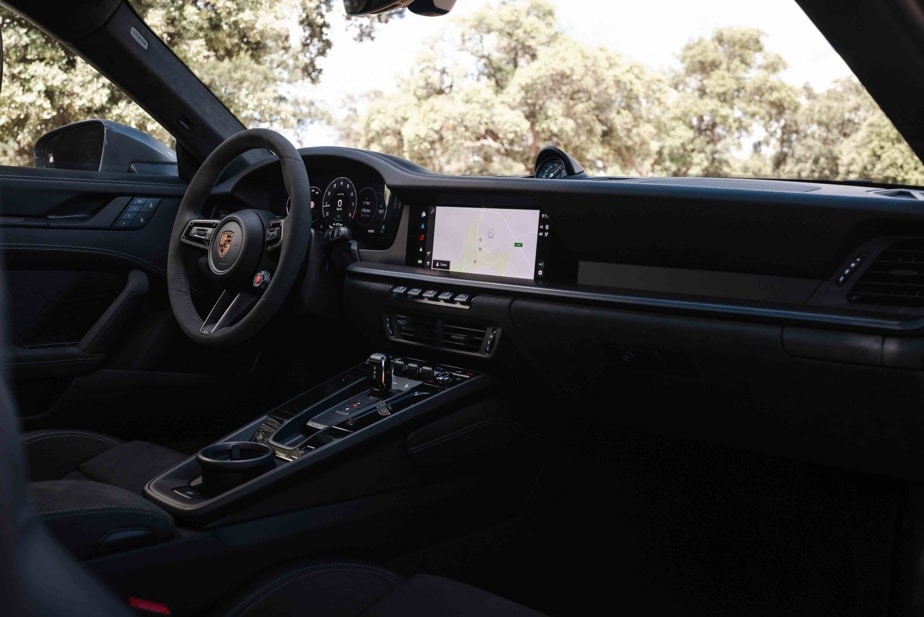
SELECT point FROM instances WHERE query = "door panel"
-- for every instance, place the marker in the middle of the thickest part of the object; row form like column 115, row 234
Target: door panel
column 95, row 342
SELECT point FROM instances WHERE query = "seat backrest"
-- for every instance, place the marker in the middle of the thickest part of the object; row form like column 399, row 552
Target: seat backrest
column 39, row 576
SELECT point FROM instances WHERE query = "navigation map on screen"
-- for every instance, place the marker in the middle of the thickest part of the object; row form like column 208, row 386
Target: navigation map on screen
column 492, row 241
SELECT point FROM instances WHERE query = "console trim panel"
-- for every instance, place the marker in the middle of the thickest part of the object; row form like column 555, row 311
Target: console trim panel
column 293, row 425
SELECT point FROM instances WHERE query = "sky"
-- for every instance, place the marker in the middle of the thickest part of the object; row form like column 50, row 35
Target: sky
column 649, row 31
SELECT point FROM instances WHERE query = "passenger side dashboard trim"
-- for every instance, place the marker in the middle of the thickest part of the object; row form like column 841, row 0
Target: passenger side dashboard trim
column 410, row 276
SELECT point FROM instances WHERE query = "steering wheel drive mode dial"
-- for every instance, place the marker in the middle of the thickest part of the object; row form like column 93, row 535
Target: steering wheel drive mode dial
column 338, row 205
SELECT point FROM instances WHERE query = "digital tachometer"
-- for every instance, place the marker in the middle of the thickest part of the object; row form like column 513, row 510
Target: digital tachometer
column 338, row 205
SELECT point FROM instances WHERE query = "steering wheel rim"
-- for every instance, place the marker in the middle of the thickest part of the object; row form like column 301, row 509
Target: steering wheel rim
column 241, row 312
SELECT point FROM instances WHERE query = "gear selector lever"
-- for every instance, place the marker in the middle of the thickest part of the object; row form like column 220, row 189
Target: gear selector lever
column 380, row 371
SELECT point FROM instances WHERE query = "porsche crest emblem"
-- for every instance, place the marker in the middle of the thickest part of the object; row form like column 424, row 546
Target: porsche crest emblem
column 224, row 242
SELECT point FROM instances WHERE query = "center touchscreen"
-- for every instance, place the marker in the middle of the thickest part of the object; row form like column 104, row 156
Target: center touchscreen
column 490, row 241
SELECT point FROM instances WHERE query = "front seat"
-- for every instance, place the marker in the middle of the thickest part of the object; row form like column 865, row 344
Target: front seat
column 43, row 579
column 88, row 489
column 86, row 455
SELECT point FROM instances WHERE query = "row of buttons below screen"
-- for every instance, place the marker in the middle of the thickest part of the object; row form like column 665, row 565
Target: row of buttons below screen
column 416, row 293
column 429, row 374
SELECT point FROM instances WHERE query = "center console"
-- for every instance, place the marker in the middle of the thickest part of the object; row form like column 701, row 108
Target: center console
column 380, row 395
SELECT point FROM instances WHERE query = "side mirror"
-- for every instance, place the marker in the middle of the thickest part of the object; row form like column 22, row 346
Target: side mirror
column 104, row 145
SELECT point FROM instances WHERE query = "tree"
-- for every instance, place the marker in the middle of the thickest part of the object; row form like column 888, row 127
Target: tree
column 255, row 54
column 841, row 134
column 878, row 152
column 41, row 82
column 502, row 39
column 822, row 125
column 598, row 105
column 513, row 84
column 727, row 92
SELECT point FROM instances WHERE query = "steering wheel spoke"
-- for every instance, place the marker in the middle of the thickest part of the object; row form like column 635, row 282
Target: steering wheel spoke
column 198, row 232
column 227, row 310
column 274, row 234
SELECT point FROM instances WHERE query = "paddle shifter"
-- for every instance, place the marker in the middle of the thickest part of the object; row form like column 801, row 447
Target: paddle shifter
column 380, row 372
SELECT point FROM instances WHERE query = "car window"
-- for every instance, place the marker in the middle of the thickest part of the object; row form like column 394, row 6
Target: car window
column 45, row 87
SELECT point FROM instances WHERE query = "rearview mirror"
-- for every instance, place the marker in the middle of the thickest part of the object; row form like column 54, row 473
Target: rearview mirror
column 372, row 7
column 431, row 8
column 420, row 7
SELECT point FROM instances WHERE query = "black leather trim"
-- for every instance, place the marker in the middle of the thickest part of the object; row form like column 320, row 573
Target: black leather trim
column 91, row 519
column 131, row 465
column 53, row 453
column 477, row 438
column 54, row 361
column 62, row 251
column 354, row 589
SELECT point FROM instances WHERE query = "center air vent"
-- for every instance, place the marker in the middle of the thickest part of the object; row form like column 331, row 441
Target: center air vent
column 442, row 334
column 895, row 278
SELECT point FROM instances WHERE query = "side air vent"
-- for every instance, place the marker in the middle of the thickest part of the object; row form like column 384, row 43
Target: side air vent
column 442, row 334
column 895, row 278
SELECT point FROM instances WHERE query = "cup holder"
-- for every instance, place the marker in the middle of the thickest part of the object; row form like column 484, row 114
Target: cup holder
column 229, row 464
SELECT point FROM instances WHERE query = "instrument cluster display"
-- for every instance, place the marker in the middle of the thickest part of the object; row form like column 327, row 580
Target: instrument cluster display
column 357, row 200
column 344, row 193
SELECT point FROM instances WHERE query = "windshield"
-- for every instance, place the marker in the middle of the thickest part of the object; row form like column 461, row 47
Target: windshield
column 658, row 88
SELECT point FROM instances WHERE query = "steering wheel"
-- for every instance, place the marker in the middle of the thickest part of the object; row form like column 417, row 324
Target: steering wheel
column 253, row 256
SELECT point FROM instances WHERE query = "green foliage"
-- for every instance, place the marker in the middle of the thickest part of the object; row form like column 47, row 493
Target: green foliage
column 508, row 36
column 514, row 83
column 255, row 54
column 599, row 106
column 485, row 98
column 45, row 86
column 877, row 152
column 842, row 134
column 728, row 88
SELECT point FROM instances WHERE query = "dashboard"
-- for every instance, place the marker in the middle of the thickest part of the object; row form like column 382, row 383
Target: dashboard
column 784, row 250
column 779, row 316
column 798, row 301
